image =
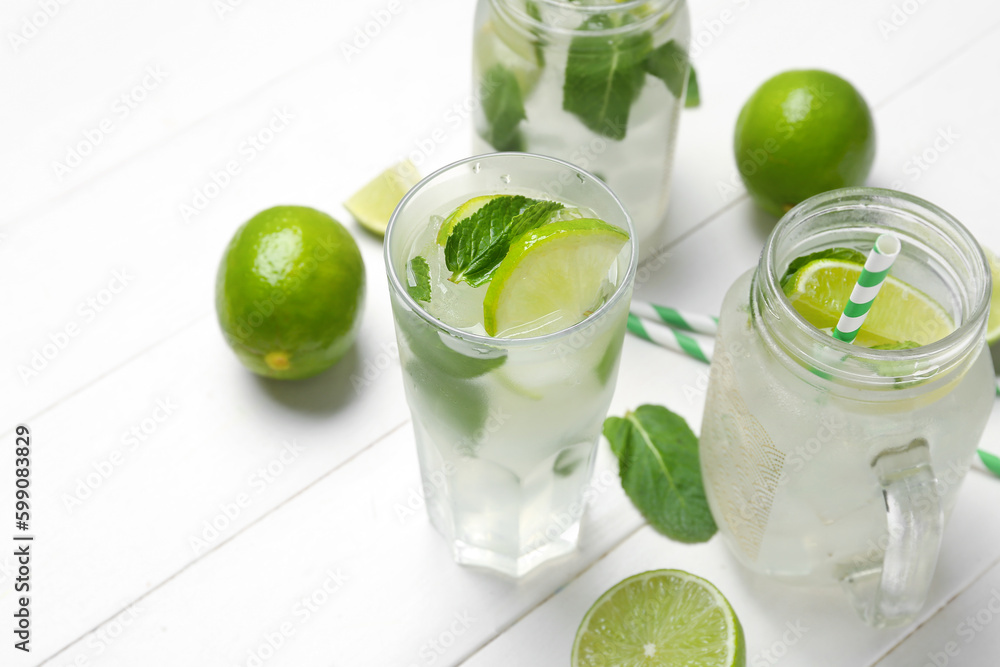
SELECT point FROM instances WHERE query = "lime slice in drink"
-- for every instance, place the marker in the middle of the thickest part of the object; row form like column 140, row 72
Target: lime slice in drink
column 460, row 214
column 660, row 618
column 373, row 204
column 901, row 313
column 993, row 324
column 552, row 278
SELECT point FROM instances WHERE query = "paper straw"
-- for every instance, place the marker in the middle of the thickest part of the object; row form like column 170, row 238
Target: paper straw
column 676, row 341
column 676, row 319
column 869, row 283
column 671, row 339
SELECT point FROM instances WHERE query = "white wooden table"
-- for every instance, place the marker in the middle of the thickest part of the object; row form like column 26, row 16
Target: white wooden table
column 188, row 513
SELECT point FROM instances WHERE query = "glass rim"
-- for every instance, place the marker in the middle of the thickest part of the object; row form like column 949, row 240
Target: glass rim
column 402, row 293
column 589, row 10
column 852, row 197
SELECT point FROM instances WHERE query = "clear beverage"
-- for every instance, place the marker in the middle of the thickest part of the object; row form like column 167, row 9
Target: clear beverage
column 539, row 71
column 828, row 463
column 506, row 428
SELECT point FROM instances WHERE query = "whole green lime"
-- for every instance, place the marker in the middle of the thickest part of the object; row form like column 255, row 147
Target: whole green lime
column 801, row 133
column 290, row 292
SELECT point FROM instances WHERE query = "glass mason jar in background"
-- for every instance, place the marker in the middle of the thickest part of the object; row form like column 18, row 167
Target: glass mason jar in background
column 507, row 428
column 599, row 83
column 830, row 463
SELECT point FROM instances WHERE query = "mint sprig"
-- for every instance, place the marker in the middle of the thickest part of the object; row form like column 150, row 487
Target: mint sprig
column 669, row 63
column 503, row 108
column 661, row 472
column 479, row 243
column 418, row 279
column 604, row 76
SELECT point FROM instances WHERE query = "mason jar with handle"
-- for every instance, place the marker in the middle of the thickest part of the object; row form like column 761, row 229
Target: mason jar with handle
column 599, row 83
column 827, row 463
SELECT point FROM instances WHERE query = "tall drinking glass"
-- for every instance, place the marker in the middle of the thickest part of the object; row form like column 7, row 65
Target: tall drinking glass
column 600, row 83
column 829, row 463
column 506, row 428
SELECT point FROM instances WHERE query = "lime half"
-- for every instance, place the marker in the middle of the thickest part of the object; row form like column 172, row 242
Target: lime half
column 901, row 313
column 660, row 618
column 373, row 204
column 552, row 278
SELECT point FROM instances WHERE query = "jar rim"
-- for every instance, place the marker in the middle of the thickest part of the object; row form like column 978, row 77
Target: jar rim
column 954, row 344
column 533, row 23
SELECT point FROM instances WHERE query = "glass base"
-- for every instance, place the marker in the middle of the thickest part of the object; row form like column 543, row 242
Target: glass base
column 514, row 565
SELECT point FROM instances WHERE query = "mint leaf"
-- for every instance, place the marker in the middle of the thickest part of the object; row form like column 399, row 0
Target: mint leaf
column 843, row 254
column 429, row 347
column 533, row 217
column 419, row 273
column 669, row 63
column 503, row 107
column 604, row 76
column 479, row 243
column 693, row 98
column 661, row 472
column 534, row 12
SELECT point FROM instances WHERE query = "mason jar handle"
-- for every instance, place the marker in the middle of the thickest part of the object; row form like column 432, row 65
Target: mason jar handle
column 915, row 523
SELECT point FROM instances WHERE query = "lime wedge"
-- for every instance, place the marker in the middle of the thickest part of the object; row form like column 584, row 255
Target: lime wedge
column 660, row 618
column 373, row 204
column 819, row 291
column 460, row 214
column 552, row 278
column 993, row 324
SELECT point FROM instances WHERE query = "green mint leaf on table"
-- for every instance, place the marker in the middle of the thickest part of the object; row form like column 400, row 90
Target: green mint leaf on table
column 419, row 273
column 604, row 76
column 503, row 108
column 661, row 472
column 991, row 461
column 479, row 243
column 844, row 254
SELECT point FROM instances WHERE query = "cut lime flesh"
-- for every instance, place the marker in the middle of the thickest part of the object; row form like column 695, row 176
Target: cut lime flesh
column 460, row 214
column 372, row 205
column 552, row 278
column 820, row 291
column 660, row 618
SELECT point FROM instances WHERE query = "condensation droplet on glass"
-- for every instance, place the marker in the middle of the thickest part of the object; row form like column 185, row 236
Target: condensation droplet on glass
column 505, row 178
column 475, row 168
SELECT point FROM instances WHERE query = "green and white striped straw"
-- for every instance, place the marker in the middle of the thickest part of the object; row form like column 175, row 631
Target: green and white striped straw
column 702, row 350
column 672, row 339
column 676, row 319
column 873, row 275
